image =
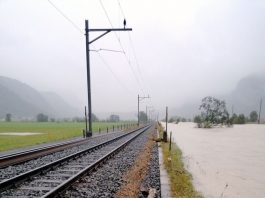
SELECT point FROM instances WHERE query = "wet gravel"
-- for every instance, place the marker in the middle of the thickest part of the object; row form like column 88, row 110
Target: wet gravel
column 107, row 180
column 11, row 171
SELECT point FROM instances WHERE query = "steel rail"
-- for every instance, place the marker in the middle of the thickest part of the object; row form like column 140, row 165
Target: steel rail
column 56, row 192
column 19, row 157
column 8, row 183
column 30, row 154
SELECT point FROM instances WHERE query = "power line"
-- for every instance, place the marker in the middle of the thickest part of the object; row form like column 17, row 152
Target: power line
column 109, row 50
column 66, row 17
column 101, row 49
column 136, row 59
column 121, row 9
column 132, row 45
column 108, row 66
column 126, row 57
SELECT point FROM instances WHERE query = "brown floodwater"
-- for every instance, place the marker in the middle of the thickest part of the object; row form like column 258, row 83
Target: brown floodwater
column 224, row 162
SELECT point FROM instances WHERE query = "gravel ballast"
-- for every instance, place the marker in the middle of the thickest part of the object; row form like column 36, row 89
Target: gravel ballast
column 11, row 171
column 39, row 185
column 108, row 179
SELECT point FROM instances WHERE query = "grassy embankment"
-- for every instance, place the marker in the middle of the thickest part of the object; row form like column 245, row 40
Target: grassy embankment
column 180, row 178
column 51, row 131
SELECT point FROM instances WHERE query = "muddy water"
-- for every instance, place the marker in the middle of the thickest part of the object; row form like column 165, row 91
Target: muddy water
column 224, row 162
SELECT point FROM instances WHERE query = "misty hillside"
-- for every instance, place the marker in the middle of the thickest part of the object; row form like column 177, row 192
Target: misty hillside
column 59, row 106
column 23, row 101
column 244, row 98
column 247, row 94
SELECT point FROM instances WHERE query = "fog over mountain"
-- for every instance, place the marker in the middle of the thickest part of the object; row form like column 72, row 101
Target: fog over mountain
column 244, row 98
column 23, row 101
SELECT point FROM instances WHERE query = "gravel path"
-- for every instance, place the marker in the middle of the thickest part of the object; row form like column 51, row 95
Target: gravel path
column 107, row 180
column 11, row 171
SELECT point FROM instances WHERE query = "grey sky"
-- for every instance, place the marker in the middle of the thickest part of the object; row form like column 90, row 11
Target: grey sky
column 185, row 49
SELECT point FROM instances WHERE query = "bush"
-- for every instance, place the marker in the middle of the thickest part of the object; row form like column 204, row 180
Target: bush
column 8, row 117
column 42, row 117
column 171, row 120
column 253, row 116
column 240, row 119
column 183, row 120
column 207, row 124
column 198, row 119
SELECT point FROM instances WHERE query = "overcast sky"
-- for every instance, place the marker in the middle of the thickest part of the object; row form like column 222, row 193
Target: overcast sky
column 184, row 49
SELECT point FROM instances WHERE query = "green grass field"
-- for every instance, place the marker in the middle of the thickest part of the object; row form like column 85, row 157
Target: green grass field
column 52, row 131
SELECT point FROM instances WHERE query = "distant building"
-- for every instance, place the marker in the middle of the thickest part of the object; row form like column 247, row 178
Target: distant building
column 114, row 118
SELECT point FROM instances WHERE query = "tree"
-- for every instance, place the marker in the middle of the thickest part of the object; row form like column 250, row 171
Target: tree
column 142, row 116
column 241, row 119
column 94, row 118
column 213, row 111
column 233, row 119
column 171, row 120
column 253, row 116
column 183, row 120
column 198, row 119
column 42, row 117
column 8, row 117
column 78, row 119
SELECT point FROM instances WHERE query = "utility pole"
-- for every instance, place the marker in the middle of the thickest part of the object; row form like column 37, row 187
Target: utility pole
column 138, row 100
column 146, row 114
column 165, row 132
column 88, row 42
column 166, row 117
column 151, row 115
column 86, row 120
column 89, row 132
column 260, row 104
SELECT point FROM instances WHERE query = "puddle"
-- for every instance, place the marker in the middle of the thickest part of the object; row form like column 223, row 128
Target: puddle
column 20, row 133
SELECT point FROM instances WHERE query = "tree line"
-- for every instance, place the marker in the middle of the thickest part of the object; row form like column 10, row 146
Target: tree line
column 214, row 112
column 41, row 117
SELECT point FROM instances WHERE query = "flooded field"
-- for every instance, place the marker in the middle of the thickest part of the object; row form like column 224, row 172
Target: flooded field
column 224, row 162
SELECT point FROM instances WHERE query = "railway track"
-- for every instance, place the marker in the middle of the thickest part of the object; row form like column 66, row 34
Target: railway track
column 51, row 179
column 19, row 157
column 33, row 162
column 22, row 156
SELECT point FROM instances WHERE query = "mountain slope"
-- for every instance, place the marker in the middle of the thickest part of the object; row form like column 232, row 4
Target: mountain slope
column 21, row 100
column 244, row 98
column 12, row 103
column 60, row 107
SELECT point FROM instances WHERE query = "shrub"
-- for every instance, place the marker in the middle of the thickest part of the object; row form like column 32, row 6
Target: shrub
column 198, row 119
column 253, row 116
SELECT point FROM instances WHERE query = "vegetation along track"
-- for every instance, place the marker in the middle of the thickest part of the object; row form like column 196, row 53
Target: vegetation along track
column 50, row 179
